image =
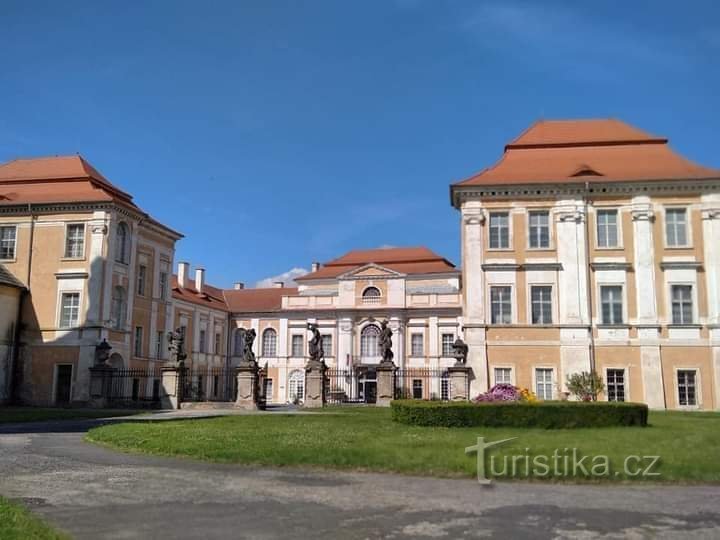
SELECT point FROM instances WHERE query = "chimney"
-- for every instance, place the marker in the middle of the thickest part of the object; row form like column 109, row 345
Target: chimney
column 238, row 285
column 279, row 284
column 199, row 279
column 315, row 266
column 183, row 271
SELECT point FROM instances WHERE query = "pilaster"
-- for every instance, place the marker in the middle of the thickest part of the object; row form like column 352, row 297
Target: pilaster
column 644, row 259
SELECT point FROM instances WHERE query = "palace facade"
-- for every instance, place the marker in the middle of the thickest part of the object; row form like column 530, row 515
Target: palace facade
column 588, row 245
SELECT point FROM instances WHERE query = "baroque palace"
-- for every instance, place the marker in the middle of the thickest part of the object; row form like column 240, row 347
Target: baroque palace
column 590, row 245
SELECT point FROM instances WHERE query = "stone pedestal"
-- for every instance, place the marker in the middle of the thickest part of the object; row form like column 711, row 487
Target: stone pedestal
column 247, row 387
column 100, row 384
column 459, row 376
column 385, row 383
column 315, row 384
column 171, row 383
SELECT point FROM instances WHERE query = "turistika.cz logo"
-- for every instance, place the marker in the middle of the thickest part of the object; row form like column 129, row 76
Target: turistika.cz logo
column 561, row 463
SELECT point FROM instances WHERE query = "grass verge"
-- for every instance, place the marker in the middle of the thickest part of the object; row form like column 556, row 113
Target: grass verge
column 37, row 414
column 367, row 439
column 17, row 523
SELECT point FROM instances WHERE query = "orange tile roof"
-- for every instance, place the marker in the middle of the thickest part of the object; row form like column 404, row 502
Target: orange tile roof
column 257, row 300
column 211, row 297
column 573, row 151
column 409, row 260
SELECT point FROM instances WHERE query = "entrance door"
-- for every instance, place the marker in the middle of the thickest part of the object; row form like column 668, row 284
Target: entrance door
column 367, row 387
column 63, row 383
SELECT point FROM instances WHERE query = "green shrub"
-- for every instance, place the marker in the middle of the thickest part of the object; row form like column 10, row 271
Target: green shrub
column 548, row 414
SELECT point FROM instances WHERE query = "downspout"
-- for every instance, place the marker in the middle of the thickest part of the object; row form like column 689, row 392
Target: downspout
column 588, row 276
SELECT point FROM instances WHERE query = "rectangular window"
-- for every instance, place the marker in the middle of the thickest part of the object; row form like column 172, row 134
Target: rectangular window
column 141, row 278
column 544, row 383
column 138, row 341
column 69, row 310
column 503, row 375
column 541, row 304
column 447, row 345
column 417, row 345
column 163, row 285
column 218, row 343
column 611, row 304
column 327, row 344
column 297, row 346
column 687, row 387
column 202, row 346
column 682, row 304
column 539, row 229
column 417, row 389
column 616, row 384
column 500, row 305
column 676, row 227
column 499, row 230
column 75, row 241
column 7, row 242
column 159, row 345
column 607, row 228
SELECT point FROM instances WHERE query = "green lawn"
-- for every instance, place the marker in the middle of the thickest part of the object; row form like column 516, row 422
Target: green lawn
column 36, row 414
column 367, row 439
column 16, row 523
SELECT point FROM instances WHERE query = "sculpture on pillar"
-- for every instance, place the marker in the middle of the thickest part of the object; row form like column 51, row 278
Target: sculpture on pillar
column 315, row 345
column 176, row 346
column 460, row 351
column 248, row 338
column 385, row 342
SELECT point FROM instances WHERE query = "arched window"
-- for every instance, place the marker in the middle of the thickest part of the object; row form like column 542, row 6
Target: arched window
column 371, row 295
column 122, row 241
column 269, row 343
column 369, row 341
column 296, row 386
column 118, row 307
column 239, row 341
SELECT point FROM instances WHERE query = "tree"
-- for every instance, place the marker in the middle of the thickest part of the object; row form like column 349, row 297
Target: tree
column 586, row 385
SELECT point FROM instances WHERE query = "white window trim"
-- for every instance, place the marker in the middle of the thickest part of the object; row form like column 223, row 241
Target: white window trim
column 619, row 212
column 136, row 353
column 261, row 345
column 551, row 236
column 695, row 308
column 598, row 303
column 513, row 304
column 58, row 310
column 554, row 382
column 553, row 304
column 442, row 333
column 698, row 388
column 688, row 226
column 513, row 381
column 420, row 332
column 55, row 380
column 292, row 352
column 65, row 256
column 626, row 379
column 509, row 213
column 15, row 250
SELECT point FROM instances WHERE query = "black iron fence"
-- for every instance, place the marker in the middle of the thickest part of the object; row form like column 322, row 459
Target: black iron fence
column 208, row 384
column 127, row 387
column 422, row 383
column 350, row 386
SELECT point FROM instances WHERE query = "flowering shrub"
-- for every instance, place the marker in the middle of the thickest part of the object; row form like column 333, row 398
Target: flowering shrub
column 507, row 392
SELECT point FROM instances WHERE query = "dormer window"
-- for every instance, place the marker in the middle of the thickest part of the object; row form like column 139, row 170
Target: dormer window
column 371, row 295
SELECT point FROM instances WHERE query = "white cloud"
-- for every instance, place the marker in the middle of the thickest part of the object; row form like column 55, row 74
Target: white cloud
column 286, row 277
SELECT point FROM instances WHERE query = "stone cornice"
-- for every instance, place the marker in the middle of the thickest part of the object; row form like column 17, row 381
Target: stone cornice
column 686, row 265
column 610, row 266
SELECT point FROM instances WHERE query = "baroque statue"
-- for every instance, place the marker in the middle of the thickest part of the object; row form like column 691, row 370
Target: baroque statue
column 176, row 346
column 460, row 351
column 385, row 342
column 315, row 345
column 248, row 338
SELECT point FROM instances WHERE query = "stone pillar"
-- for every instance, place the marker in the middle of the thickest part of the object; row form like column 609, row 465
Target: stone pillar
column 398, row 348
column 100, row 384
column 247, row 386
column 171, row 382
column 344, row 343
column 385, row 383
column 314, row 384
column 459, row 382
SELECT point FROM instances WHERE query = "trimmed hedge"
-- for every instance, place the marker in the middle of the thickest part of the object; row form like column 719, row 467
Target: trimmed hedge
column 547, row 414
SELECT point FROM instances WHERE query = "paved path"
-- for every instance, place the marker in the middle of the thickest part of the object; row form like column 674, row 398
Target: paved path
column 96, row 493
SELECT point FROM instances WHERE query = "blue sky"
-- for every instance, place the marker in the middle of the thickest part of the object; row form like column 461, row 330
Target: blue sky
column 275, row 133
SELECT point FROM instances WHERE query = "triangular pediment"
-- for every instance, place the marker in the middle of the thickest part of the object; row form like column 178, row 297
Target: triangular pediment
column 371, row 270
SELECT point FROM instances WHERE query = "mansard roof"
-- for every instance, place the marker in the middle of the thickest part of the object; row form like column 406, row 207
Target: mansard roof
column 574, row 151
column 404, row 260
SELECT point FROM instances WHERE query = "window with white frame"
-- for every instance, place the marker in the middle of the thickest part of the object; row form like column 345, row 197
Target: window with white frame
column 371, row 295
column 607, row 228
column 269, row 343
column 500, row 305
column 69, row 309
column 687, row 387
column 138, row 342
column 75, row 241
column 141, row 279
column 296, row 386
column 499, row 230
column 327, row 344
column 202, row 341
column 544, row 383
column 417, row 343
column 503, row 375
column 159, row 344
column 611, row 304
column 541, row 304
column 118, row 307
column 8, row 237
column 369, row 337
column 447, row 344
column 615, row 384
column 218, row 343
column 682, row 304
column 297, row 345
column 676, row 227
column 417, row 389
column 163, row 281
column 539, row 229
column 122, row 243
